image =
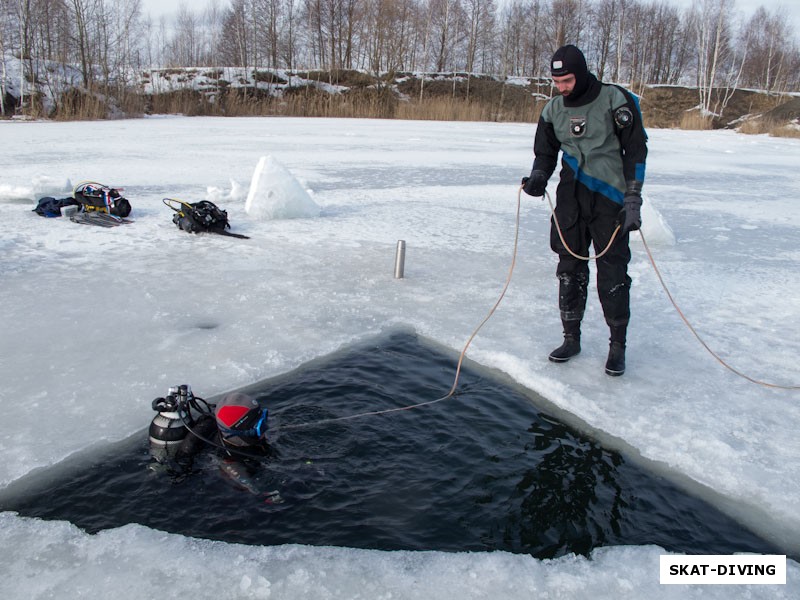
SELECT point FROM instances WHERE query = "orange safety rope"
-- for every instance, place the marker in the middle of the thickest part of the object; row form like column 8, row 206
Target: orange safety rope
column 671, row 299
column 563, row 241
column 500, row 298
column 697, row 335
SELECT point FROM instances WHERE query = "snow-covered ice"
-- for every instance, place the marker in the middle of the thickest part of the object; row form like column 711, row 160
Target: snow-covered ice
column 95, row 323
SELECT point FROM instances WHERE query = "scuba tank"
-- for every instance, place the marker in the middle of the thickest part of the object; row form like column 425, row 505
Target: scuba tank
column 184, row 423
column 168, row 429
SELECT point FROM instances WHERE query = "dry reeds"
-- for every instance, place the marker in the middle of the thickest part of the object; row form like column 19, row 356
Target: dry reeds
column 434, row 96
column 376, row 102
column 443, row 109
column 694, row 121
column 769, row 127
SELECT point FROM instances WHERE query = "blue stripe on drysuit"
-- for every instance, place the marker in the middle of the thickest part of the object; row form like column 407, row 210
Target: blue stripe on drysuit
column 594, row 184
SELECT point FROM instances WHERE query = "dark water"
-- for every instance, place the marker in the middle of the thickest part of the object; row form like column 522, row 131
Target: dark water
column 484, row 470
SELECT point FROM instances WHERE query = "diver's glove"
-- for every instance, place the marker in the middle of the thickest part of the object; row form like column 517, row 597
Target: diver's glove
column 630, row 217
column 535, row 184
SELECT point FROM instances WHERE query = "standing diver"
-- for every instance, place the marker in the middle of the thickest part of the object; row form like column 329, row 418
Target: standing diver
column 598, row 129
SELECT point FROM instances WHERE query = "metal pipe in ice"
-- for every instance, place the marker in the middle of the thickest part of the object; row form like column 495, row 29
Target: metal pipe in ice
column 400, row 259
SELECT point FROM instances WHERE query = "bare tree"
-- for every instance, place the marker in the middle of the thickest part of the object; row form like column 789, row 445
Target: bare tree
column 84, row 20
column 480, row 22
column 387, row 28
column 117, row 30
column 712, row 29
column 235, row 43
column 444, row 17
column 289, row 40
column 6, row 22
column 403, row 19
column 567, row 22
column 25, row 36
column 332, row 25
column 212, row 24
column 765, row 37
column 604, row 16
column 185, row 43
column 663, row 33
column 266, row 15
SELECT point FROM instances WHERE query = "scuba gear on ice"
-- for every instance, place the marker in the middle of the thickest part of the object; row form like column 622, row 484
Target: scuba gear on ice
column 94, row 196
column 51, row 207
column 98, row 218
column 200, row 217
column 97, row 205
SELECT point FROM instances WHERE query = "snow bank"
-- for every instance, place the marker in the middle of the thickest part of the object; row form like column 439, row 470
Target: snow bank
column 137, row 562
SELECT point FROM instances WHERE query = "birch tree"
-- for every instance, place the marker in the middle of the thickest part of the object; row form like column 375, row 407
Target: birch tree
column 712, row 29
column 766, row 37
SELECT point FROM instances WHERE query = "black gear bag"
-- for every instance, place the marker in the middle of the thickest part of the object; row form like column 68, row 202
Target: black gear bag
column 200, row 217
column 96, row 197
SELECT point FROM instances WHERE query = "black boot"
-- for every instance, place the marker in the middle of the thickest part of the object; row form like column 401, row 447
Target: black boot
column 615, row 365
column 571, row 345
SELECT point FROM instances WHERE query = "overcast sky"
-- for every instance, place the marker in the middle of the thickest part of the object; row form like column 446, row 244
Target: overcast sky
column 746, row 7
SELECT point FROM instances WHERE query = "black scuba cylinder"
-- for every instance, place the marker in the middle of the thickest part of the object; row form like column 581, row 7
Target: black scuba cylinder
column 167, row 429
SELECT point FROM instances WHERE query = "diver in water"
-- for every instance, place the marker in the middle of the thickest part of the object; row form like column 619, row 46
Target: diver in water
column 237, row 426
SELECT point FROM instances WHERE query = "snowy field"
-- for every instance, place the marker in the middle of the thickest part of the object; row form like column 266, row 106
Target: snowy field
column 95, row 323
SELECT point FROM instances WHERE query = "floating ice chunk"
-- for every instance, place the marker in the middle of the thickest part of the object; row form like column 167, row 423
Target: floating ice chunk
column 276, row 194
column 656, row 230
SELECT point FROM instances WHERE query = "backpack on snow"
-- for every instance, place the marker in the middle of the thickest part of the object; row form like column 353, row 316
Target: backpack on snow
column 200, row 217
column 96, row 197
column 51, row 207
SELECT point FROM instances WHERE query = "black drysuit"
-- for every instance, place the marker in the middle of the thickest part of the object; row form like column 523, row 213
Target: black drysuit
column 604, row 148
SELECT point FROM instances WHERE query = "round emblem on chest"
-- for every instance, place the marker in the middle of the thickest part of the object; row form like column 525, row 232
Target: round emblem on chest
column 577, row 126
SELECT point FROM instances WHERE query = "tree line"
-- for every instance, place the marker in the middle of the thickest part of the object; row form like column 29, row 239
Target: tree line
column 708, row 45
